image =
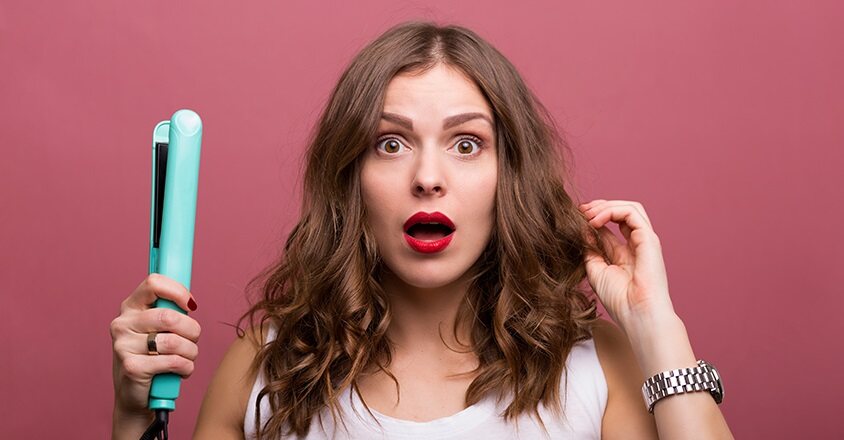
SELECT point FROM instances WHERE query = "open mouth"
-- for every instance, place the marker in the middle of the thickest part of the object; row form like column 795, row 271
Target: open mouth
column 429, row 231
column 428, row 226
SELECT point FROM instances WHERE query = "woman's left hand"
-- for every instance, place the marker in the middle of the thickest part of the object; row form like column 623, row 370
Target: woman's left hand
column 635, row 282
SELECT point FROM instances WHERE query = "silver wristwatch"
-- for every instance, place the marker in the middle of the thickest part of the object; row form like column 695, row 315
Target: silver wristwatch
column 704, row 377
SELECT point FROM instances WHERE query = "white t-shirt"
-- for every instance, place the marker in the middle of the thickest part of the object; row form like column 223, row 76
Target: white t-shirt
column 584, row 404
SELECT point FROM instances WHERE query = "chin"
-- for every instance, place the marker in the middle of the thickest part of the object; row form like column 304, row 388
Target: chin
column 427, row 276
column 430, row 272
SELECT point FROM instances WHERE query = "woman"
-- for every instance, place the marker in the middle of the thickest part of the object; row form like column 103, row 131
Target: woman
column 430, row 288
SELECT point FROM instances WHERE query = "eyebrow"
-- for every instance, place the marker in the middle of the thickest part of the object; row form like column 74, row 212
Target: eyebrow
column 448, row 122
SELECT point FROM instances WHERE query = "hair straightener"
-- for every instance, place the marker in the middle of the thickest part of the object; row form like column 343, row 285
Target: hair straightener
column 175, row 177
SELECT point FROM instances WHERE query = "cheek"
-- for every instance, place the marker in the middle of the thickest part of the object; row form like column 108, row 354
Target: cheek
column 490, row 191
column 488, row 187
column 377, row 194
column 478, row 204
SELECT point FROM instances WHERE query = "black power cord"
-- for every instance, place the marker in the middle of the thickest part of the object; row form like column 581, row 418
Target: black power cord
column 158, row 428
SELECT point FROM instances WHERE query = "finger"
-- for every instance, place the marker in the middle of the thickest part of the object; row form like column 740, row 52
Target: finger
column 638, row 206
column 585, row 206
column 618, row 252
column 599, row 205
column 165, row 343
column 144, row 367
column 156, row 286
column 625, row 231
column 643, row 234
column 165, row 320
column 619, row 214
column 611, row 243
column 642, row 241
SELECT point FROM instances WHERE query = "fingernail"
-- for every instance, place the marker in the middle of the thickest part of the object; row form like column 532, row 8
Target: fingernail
column 191, row 304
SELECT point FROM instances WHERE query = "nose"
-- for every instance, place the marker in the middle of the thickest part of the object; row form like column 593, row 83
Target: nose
column 428, row 176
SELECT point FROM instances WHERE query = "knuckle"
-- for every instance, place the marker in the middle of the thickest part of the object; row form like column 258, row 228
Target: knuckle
column 157, row 283
column 641, row 208
column 191, row 351
column 152, row 280
column 166, row 317
column 132, row 367
column 115, row 328
column 175, row 363
column 173, row 344
column 119, row 348
column 655, row 238
column 188, row 368
column 164, row 343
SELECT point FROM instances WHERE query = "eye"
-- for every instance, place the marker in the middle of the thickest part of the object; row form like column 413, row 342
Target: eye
column 391, row 145
column 469, row 146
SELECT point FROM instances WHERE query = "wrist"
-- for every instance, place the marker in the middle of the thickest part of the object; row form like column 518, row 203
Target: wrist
column 129, row 424
column 660, row 342
column 641, row 324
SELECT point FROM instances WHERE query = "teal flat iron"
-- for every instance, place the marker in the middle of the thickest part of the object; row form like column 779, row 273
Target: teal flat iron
column 175, row 177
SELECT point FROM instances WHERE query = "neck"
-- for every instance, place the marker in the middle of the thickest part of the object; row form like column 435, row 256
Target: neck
column 423, row 318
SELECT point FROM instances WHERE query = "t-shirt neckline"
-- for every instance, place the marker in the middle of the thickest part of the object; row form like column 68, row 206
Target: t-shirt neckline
column 452, row 425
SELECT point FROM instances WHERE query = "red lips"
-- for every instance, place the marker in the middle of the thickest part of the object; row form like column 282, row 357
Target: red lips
column 428, row 246
column 424, row 217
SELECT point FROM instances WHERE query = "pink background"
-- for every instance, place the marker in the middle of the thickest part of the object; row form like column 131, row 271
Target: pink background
column 723, row 118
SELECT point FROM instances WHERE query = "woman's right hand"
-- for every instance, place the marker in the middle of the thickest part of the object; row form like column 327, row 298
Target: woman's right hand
column 133, row 367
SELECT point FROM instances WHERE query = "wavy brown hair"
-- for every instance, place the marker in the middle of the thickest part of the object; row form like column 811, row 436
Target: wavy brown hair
column 525, row 305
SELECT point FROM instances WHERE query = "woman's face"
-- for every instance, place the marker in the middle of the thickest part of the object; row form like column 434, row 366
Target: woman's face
column 435, row 152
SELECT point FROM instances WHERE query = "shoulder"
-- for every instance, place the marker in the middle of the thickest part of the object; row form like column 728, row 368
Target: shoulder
column 625, row 415
column 221, row 415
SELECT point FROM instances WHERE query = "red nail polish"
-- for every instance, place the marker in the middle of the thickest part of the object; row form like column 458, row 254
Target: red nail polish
column 192, row 304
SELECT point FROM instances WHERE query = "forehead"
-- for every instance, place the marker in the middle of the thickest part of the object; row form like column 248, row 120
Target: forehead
column 439, row 91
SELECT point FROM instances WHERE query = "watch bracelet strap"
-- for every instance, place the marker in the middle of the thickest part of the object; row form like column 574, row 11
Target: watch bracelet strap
column 677, row 381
